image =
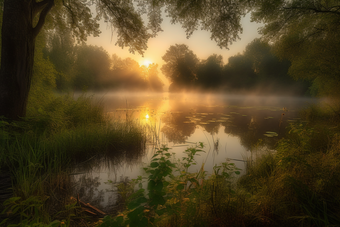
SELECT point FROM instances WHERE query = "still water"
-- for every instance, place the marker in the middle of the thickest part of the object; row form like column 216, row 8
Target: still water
column 230, row 126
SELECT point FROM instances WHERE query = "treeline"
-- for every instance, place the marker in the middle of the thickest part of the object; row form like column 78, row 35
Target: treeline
column 86, row 67
column 257, row 70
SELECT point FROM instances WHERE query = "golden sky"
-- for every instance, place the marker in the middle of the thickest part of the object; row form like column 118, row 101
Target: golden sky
column 200, row 42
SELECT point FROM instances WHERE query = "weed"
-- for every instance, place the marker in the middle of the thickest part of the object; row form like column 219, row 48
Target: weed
column 175, row 196
column 39, row 151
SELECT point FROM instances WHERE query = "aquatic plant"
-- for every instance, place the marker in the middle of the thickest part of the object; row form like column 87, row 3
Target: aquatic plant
column 174, row 196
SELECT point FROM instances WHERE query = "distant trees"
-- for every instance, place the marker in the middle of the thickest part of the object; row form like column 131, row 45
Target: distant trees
column 257, row 69
column 60, row 50
column 91, row 64
column 127, row 74
column 239, row 74
column 180, row 67
column 210, row 72
column 272, row 71
column 85, row 67
column 307, row 33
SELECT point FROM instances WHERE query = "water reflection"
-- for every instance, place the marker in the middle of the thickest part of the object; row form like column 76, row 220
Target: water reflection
column 229, row 126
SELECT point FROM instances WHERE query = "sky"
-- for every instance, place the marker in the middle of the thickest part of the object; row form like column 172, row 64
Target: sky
column 200, row 43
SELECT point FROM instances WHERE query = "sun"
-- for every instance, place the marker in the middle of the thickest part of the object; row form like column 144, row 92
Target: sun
column 146, row 63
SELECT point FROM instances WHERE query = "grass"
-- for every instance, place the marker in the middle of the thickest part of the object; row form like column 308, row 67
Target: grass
column 40, row 150
column 298, row 185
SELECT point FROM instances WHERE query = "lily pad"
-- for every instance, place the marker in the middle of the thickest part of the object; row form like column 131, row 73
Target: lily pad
column 270, row 134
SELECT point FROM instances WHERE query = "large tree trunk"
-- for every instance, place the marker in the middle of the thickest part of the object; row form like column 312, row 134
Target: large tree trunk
column 17, row 53
column 17, row 56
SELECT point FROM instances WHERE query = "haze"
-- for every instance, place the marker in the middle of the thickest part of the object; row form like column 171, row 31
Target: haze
column 200, row 42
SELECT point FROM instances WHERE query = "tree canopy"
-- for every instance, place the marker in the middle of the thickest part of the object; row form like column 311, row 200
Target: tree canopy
column 180, row 66
column 307, row 33
column 126, row 18
column 257, row 69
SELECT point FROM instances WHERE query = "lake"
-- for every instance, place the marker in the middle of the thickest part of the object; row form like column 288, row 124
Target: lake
column 230, row 126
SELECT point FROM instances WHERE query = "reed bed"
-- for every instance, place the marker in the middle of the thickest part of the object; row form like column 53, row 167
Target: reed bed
column 40, row 150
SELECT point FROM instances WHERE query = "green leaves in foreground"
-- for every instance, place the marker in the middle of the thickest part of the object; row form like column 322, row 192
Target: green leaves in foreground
column 167, row 192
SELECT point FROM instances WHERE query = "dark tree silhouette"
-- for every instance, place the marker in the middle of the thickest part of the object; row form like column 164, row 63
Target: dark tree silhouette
column 180, row 67
column 209, row 72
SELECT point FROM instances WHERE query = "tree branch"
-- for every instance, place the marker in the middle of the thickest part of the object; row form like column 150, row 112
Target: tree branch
column 38, row 6
column 314, row 10
column 46, row 9
column 73, row 16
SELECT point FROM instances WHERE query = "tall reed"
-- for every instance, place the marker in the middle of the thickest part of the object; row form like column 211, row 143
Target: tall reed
column 40, row 150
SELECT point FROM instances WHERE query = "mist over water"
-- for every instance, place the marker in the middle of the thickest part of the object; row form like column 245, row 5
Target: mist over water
column 228, row 125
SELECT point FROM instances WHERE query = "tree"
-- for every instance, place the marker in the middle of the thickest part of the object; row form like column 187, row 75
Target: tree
column 128, row 74
column 238, row 73
column 92, row 65
column 60, row 50
column 43, row 81
column 24, row 19
column 155, row 83
column 209, row 72
column 180, row 67
column 307, row 33
column 268, row 68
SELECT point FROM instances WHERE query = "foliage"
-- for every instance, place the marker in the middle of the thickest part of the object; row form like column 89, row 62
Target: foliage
column 126, row 18
column 221, row 19
column 209, row 72
column 39, row 150
column 127, row 74
column 256, row 70
column 239, row 73
column 296, row 185
column 307, row 34
column 30, row 212
column 60, row 50
column 175, row 196
column 44, row 78
column 85, row 67
column 180, row 67
column 92, row 63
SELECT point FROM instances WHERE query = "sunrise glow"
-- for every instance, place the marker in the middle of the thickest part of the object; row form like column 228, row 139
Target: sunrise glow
column 147, row 116
column 146, row 63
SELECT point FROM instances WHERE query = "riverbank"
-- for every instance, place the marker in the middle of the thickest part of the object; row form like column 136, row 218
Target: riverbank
column 39, row 152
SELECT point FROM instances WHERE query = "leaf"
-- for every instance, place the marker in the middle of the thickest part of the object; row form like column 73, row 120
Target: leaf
column 151, row 185
column 159, row 186
column 137, row 202
column 133, row 215
column 120, row 219
column 161, row 212
column 156, row 200
column 143, row 222
column 155, row 155
column 55, row 223
column 193, row 180
column 180, row 187
column 154, row 164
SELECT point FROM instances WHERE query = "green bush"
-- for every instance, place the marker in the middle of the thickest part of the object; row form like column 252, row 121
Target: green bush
column 176, row 197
